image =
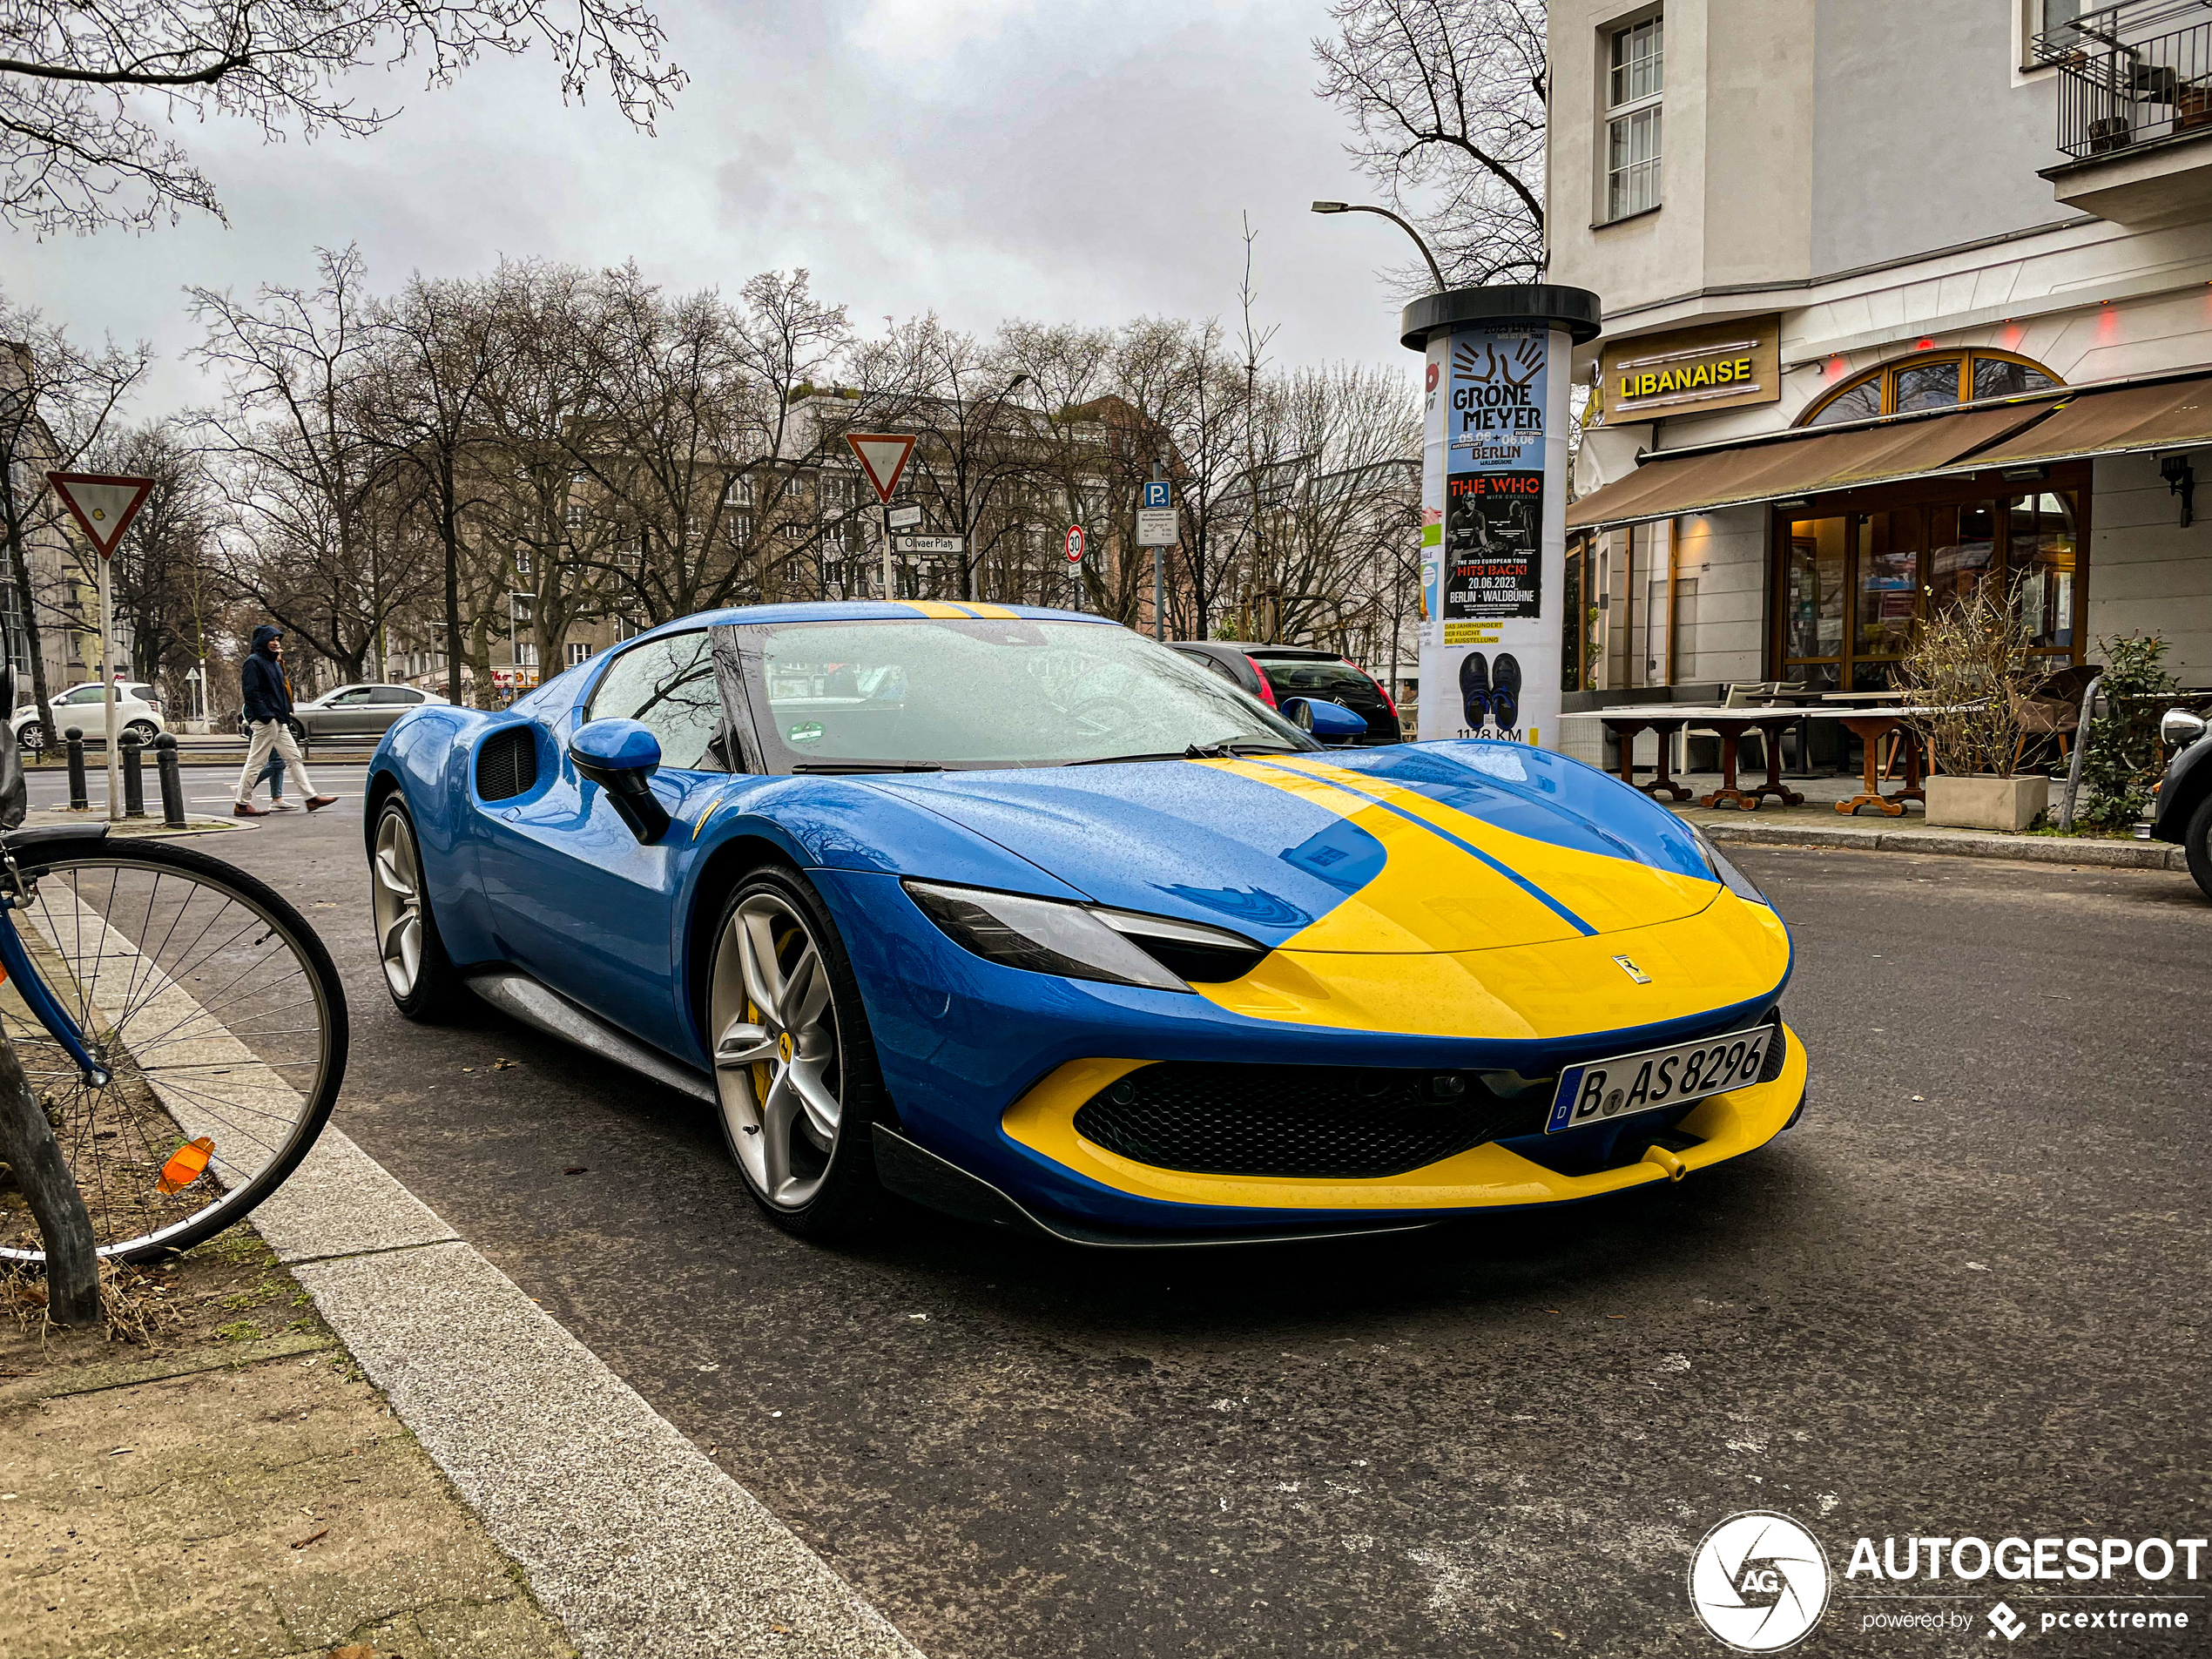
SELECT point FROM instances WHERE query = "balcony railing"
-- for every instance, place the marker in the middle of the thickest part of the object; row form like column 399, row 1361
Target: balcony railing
column 2121, row 86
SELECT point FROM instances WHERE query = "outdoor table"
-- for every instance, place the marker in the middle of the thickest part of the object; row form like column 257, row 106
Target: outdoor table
column 1870, row 726
column 1800, row 700
column 1730, row 724
column 1626, row 724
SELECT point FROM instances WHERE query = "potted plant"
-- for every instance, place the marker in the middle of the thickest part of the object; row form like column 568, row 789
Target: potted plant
column 1963, row 674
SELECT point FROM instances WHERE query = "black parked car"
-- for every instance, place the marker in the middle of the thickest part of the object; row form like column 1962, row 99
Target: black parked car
column 2184, row 810
column 1272, row 673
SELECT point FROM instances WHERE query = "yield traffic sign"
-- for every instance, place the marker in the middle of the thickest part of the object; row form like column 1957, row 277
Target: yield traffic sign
column 102, row 505
column 883, row 457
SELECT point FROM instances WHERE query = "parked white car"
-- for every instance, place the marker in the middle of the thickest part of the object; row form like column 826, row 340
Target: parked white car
column 138, row 708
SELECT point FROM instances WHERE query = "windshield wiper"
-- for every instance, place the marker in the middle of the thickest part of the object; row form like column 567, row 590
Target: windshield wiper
column 1195, row 751
column 867, row 766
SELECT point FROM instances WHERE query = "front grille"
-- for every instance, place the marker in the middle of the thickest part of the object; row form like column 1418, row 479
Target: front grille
column 1344, row 1121
column 506, row 764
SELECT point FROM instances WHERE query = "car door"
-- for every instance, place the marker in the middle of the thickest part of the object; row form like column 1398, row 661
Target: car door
column 345, row 713
column 386, row 703
column 573, row 897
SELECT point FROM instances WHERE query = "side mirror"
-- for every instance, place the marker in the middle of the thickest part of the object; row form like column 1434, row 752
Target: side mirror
column 619, row 756
column 1331, row 722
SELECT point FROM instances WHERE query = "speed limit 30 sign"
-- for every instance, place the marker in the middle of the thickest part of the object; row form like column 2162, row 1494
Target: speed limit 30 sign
column 1074, row 544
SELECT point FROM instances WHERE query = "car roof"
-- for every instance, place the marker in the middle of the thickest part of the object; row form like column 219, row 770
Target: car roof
column 872, row 610
column 1290, row 652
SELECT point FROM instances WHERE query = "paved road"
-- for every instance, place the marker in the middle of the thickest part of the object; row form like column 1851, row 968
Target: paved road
column 1966, row 1297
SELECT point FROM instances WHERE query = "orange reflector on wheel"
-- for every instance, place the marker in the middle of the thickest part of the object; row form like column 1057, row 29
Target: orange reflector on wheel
column 187, row 1164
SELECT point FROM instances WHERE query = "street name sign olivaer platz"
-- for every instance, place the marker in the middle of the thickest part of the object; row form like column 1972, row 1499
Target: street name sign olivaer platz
column 103, row 506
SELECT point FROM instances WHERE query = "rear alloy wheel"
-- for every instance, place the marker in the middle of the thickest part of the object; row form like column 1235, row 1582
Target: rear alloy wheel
column 417, row 971
column 30, row 738
column 144, row 731
column 793, row 1065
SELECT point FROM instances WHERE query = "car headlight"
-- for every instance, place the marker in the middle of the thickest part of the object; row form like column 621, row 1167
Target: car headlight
column 1726, row 873
column 1085, row 941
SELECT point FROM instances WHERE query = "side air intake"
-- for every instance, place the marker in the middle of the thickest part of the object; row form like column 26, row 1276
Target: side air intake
column 506, row 764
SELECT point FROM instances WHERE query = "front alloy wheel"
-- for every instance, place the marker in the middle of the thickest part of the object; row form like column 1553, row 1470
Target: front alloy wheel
column 793, row 1069
column 421, row 977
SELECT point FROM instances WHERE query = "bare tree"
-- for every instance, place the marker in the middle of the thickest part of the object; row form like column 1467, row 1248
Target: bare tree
column 697, row 440
column 1448, row 98
column 301, row 472
column 57, row 397
column 426, row 405
column 90, row 89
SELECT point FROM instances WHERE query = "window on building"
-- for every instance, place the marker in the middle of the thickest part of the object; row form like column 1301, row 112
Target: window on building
column 1931, row 382
column 740, row 492
column 522, row 562
column 578, row 652
column 1635, row 82
column 572, row 516
column 740, row 529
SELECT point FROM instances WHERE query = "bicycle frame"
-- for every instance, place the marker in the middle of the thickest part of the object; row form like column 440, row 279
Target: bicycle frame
column 15, row 965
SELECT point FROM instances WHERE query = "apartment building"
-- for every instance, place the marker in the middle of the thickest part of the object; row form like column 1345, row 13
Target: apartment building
column 1901, row 297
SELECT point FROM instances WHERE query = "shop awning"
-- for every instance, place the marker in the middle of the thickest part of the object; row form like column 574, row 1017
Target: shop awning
column 2066, row 425
column 2173, row 415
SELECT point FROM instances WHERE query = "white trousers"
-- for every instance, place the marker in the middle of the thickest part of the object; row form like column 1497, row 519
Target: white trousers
column 267, row 735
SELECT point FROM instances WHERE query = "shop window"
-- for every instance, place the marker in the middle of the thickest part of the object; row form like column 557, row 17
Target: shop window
column 1854, row 589
column 1635, row 83
column 1930, row 382
column 2041, row 564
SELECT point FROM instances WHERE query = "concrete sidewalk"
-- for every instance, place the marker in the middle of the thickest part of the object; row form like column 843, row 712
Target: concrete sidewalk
column 1816, row 823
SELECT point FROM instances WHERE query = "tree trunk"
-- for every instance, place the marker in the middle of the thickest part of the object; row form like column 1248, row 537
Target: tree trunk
column 27, row 1142
column 22, row 573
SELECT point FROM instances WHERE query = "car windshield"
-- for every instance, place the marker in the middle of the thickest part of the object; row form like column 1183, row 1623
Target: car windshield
column 833, row 695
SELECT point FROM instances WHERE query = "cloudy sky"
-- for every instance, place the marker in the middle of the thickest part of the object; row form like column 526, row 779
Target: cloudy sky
column 1068, row 161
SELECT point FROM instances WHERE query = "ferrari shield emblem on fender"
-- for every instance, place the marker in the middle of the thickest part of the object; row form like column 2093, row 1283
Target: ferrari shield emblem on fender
column 1632, row 971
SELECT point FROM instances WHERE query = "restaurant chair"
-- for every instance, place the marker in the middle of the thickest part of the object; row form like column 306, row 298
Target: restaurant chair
column 2053, row 708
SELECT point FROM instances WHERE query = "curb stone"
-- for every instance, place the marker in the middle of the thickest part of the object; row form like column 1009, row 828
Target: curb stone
column 2023, row 849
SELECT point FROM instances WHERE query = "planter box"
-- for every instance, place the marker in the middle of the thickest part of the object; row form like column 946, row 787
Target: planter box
column 1987, row 803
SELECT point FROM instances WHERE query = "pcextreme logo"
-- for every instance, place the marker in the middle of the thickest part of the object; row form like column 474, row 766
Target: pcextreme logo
column 1759, row 1581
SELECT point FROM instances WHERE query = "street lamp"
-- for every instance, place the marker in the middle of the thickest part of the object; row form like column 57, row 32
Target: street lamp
column 1356, row 207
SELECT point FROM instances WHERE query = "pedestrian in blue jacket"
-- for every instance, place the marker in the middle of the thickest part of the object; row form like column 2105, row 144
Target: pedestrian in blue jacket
column 269, row 722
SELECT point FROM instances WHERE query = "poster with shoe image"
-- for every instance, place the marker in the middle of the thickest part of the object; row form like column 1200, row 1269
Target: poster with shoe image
column 1494, row 530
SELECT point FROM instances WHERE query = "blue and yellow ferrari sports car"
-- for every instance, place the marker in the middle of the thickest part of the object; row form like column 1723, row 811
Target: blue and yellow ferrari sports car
column 1021, row 916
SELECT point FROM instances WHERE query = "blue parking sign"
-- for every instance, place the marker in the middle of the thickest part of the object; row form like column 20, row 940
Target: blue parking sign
column 1156, row 493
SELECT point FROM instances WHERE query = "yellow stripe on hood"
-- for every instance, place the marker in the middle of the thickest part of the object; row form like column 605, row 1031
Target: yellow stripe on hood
column 1608, row 893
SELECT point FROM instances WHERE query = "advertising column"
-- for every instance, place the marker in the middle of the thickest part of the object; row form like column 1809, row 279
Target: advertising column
column 1493, row 507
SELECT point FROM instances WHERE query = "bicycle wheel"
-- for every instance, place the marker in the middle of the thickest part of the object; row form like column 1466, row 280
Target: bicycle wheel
column 215, row 1011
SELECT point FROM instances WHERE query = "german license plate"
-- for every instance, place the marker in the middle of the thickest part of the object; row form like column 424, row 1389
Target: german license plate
column 1604, row 1089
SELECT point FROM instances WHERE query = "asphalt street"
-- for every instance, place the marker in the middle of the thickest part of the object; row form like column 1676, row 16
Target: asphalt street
column 1966, row 1297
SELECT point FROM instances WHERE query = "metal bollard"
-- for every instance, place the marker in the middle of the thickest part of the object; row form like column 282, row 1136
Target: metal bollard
column 79, row 800
column 134, row 779
column 173, row 780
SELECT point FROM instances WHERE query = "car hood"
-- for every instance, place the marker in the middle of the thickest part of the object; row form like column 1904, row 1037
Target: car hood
column 1453, row 847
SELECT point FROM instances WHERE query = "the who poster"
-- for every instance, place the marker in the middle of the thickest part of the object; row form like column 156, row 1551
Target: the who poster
column 1493, row 533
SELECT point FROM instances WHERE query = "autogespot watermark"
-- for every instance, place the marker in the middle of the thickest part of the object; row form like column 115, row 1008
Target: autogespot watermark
column 1760, row 1581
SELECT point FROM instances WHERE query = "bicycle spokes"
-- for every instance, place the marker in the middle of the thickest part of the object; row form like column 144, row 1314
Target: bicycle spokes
column 206, row 1039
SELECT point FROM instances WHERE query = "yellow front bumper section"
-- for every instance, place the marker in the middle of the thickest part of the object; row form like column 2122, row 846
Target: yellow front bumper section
column 1483, row 1176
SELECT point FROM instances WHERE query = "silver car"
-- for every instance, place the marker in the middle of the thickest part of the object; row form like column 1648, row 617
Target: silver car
column 355, row 712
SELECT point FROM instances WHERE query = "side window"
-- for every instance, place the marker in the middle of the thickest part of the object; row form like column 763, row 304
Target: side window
column 347, row 699
column 393, row 694
column 668, row 683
